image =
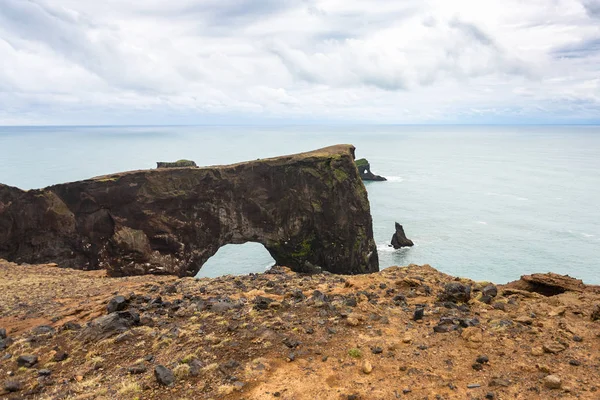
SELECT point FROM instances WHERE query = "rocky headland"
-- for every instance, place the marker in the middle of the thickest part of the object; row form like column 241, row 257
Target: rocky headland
column 364, row 170
column 309, row 210
column 402, row 333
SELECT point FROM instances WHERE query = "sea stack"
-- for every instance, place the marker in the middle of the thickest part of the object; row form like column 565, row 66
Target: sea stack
column 364, row 170
column 399, row 238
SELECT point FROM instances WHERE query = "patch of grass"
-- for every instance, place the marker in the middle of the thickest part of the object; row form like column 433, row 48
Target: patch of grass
column 129, row 388
column 182, row 371
column 189, row 358
column 354, row 353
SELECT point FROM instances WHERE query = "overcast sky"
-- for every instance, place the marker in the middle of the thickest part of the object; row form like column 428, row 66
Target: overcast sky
column 277, row 61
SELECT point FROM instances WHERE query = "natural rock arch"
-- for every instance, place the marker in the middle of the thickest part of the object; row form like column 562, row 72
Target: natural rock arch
column 308, row 209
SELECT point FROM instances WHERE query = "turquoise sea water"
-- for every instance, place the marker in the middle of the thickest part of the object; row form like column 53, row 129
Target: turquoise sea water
column 486, row 202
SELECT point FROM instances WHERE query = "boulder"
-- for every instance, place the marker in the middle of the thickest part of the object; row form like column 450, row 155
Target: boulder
column 27, row 361
column 455, row 292
column 364, row 170
column 399, row 238
column 308, row 209
column 117, row 303
column 164, row 375
column 110, row 325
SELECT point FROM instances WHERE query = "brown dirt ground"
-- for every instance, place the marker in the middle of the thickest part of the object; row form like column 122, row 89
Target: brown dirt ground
column 241, row 351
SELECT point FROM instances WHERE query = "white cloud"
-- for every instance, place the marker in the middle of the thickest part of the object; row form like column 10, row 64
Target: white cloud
column 88, row 61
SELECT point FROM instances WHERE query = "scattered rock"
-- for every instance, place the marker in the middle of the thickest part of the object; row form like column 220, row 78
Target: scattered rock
column 110, row 325
column 12, row 386
column 552, row 382
column 490, row 290
column 44, row 372
column 537, row 351
column 60, row 356
column 553, row 347
column 137, row 369
column 455, row 292
column 3, row 333
column 27, row 361
column 473, row 386
column 117, row 303
column 164, row 375
column 418, row 314
column 482, row 359
column 367, row 368
column 575, row 363
column 472, row 334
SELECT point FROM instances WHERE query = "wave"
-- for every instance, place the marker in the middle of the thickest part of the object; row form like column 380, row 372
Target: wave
column 385, row 248
column 482, row 222
column 394, row 178
column 512, row 196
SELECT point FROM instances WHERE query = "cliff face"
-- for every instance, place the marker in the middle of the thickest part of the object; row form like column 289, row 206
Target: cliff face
column 307, row 209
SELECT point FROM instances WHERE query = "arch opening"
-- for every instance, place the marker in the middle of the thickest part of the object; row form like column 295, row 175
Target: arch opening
column 237, row 259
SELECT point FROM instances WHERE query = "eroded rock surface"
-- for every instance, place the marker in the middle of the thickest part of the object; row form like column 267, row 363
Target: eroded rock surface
column 364, row 169
column 308, row 209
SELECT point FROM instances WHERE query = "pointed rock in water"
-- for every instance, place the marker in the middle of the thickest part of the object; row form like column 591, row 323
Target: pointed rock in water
column 309, row 210
column 399, row 238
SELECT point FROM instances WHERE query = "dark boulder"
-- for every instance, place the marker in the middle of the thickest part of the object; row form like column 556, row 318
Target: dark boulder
column 27, row 361
column 490, row 290
column 3, row 333
column 399, row 238
column 110, row 325
column 364, row 170
column 12, row 386
column 455, row 292
column 60, row 356
column 164, row 375
column 306, row 209
column 117, row 303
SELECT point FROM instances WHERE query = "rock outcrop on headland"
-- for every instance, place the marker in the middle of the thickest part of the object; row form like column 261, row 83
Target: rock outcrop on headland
column 364, row 170
column 308, row 210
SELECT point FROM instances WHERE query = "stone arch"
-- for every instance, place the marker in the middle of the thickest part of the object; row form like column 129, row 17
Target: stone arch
column 308, row 210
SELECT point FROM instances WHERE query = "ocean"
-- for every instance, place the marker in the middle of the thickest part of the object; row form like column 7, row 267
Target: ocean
column 485, row 202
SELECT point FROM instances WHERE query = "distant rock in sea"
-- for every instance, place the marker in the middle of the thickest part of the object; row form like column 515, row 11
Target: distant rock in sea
column 399, row 238
column 364, row 169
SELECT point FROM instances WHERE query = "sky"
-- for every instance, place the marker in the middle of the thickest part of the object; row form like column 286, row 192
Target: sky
column 299, row 61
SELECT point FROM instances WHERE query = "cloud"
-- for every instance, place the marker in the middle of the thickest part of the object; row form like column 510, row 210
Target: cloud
column 192, row 61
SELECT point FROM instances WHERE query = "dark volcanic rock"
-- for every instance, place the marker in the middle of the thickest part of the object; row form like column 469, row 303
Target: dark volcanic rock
column 43, row 330
column 364, row 170
column 455, row 292
column 60, row 356
column 3, row 333
column 27, row 361
column 399, row 238
column 490, row 290
column 110, row 325
column 164, row 375
column 12, row 386
column 117, row 303
column 306, row 209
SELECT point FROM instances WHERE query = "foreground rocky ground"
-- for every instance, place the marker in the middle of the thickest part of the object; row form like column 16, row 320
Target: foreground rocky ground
column 403, row 333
